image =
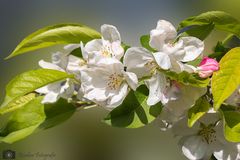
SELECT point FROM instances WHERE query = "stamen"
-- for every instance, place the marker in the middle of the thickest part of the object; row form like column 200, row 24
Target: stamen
column 114, row 81
column 107, row 51
column 151, row 65
column 208, row 133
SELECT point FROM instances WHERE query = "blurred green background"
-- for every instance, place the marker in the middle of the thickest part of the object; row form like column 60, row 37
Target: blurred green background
column 84, row 137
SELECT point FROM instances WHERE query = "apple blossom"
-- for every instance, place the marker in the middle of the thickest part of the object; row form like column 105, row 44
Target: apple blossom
column 181, row 98
column 143, row 64
column 66, row 88
column 108, row 46
column 107, row 83
column 172, row 53
column 204, row 139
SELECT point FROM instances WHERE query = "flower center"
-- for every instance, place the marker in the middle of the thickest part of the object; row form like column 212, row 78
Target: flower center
column 82, row 63
column 151, row 65
column 170, row 44
column 114, row 81
column 107, row 51
column 208, row 133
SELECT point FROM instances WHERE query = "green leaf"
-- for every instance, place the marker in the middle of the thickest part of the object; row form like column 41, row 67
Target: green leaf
column 219, row 51
column 17, row 103
column 77, row 52
column 221, row 21
column 187, row 78
column 231, row 41
column 231, row 125
column 125, row 46
column 57, row 113
column 232, row 118
column 23, row 121
column 145, row 43
column 53, row 35
column 230, row 135
column 134, row 111
column 200, row 32
column 26, row 83
column 227, row 79
column 198, row 110
column 222, row 48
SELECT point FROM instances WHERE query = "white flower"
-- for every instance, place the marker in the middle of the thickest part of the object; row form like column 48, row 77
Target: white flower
column 107, row 83
column 171, row 54
column 108, row 46
column 204, row 139
column 65, row 63
column 143, row 64
column 181, row 98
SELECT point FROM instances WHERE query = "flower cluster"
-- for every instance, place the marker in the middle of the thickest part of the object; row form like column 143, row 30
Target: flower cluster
column 106, row 72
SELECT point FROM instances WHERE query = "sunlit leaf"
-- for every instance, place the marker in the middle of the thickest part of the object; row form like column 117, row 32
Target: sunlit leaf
column 227, row 79
column 134, row 111
column 53, row 35
column 23, row 121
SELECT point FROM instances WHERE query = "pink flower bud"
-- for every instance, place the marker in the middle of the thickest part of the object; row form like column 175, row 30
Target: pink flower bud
column 207, row 67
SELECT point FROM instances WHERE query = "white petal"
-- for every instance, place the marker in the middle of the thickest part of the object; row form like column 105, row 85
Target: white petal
column 48, row 65
column 50, row 97
column 70, row 47
column 193, row 47
column 194, row 148
column 117, row 49
column 179, row 67
column 60, row 59
column 84, row 52
column 74, row 64
column 157, row 39
column 176, row 66
column 189, row 68
column 43, row 90
column 163, row 60
column 95, row 77
column 67, row 89
column 96, row 95
column 168, row 28
column 166, row 119
column 175, row 49
column 111, row 65
column 187, row 98
column 110, row 33
column 227, row 152
column 135, row 59
column 131, row 79
column 180, row 128
column 118, row 98
column 157, row 88
column 93, row 46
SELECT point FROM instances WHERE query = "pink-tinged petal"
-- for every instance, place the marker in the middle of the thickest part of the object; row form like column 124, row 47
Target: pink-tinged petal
column 207, row 67
column 209, row 64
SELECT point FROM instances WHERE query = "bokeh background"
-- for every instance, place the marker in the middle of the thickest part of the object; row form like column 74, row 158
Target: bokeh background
column 84, row 136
